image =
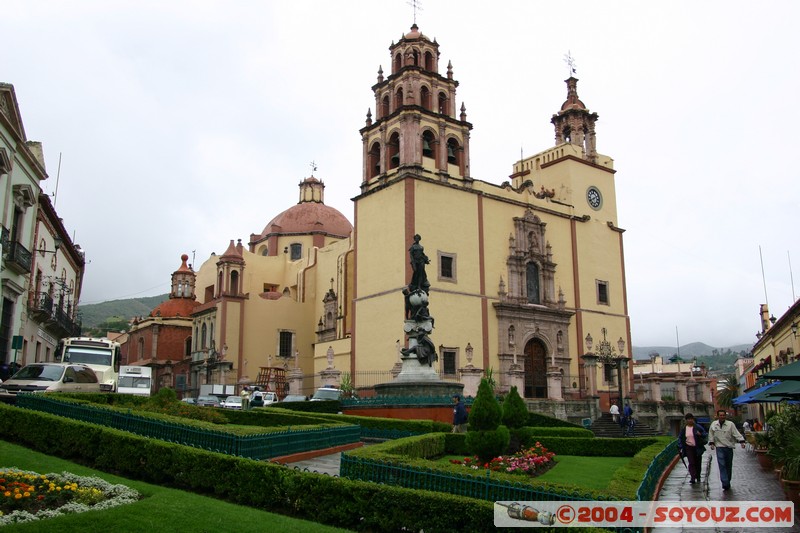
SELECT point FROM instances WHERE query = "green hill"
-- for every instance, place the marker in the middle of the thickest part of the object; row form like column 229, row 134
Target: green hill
column 94, row 315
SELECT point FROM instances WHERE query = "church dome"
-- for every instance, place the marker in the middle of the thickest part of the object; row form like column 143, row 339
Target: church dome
column 309, row 217
column 175, row 307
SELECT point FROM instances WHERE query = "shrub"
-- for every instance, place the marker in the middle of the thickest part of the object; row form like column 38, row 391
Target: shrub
column 486, row 413
column 488, row 444
column 515, row 412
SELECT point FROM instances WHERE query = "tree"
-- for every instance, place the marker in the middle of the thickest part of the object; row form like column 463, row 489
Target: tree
column 486, row 438
column 515, row 412
column 728, row 392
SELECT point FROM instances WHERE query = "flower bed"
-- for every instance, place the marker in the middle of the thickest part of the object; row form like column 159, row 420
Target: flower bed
column 28, row 496
column 532, row 462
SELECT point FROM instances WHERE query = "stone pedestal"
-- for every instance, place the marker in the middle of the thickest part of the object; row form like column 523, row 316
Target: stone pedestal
column 680, row 392
column 331, row 377
column 471, row 376
column 655, row 390
column 554, row 378
column 516, row 378
column 295, row 381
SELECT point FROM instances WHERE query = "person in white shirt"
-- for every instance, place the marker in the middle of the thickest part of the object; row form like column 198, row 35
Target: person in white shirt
column 614, row 412
column 723, row 436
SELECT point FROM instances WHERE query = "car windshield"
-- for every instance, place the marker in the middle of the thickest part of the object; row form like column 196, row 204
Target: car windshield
column 40, row 373
column 327, row 394
column 208, row 399
column 88, row 356
column 233, row 399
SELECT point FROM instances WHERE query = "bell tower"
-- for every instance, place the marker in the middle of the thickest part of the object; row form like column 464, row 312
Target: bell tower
column 416, row 126
column 574, row 123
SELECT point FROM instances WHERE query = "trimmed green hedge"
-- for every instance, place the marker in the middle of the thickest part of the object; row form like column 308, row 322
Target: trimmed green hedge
column 321, row 406
column 340, row 502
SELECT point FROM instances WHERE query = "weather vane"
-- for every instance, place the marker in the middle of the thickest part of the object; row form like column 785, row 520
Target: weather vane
column 570, row 61
column 417, row 6
column 313, row 167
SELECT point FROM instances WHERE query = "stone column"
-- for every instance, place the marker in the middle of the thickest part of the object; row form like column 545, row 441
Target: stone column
column 680, row 391
column 554, row 378
column 655, row 389
column 590, row 367
column 706, row 391
column 296, row 381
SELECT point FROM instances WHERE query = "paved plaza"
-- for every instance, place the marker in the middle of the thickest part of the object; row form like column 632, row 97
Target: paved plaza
column 750, row 484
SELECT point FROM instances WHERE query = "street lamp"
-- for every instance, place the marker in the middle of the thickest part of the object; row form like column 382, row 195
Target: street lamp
column 57, row 242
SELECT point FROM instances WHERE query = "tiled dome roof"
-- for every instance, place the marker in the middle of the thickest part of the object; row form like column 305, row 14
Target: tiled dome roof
column 309, row 217
column 174, row 307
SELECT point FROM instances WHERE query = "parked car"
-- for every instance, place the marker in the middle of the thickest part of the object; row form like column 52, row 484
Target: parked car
column 232, row 402
column 189, row 400
column 208, row 401
column 261, row 399
column 294, row 398
column 326, row 393
column 51, row 377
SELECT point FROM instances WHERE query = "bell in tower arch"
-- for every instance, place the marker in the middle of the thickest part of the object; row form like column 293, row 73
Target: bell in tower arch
column 427, row 151
column 451, row 155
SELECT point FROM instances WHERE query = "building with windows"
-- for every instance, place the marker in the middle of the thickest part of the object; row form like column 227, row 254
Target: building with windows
column 163, row 339
column 524, row 274
column 41, row 269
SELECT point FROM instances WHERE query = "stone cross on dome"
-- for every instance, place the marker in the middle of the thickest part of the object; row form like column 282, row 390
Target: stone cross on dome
column 416, row 5
column 570, row 61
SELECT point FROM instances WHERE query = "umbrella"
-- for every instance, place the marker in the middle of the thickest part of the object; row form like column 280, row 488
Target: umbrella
column 786, row 390
column 786, row 372
column 748, row 397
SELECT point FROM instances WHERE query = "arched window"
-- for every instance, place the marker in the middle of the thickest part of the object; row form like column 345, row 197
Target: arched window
column 416, row 58
column 220, row 286
column 428, row 142
column 235, row 282
column 296, row 251
column 425, row 98
column 187, row 347
column 532, row 283
column 393, row 151
column 444, row 107
column 374, row 161
column 567, row 134
column 430, row 64
column 453, row 152
column 385, row 109
column 203, row 336
column 398, row 63
column 398, row 98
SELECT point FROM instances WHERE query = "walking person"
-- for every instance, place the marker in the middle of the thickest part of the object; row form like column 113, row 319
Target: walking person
column 614, row 412
column 627, row 420
column 460, row 416
column 691, row 445
column 723, row 436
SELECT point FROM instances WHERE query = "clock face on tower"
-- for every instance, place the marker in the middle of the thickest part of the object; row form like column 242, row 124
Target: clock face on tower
column 594, row 197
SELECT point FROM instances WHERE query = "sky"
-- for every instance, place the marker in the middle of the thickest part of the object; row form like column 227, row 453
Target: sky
column 182, row 125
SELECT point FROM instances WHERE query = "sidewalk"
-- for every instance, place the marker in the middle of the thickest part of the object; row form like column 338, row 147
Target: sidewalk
column 750, row 484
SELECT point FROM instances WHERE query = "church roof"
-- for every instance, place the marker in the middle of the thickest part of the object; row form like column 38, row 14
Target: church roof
column 309, row 217
column 175, row 307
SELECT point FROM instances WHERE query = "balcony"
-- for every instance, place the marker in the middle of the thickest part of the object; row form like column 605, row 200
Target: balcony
column 40, row 306
column 18, row 258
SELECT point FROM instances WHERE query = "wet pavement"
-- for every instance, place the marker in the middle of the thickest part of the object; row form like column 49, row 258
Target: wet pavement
column 324, row 464
column 750, row 483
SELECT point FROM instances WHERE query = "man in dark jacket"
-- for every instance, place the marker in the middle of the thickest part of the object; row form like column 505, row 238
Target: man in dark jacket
column 691, row 445
column 459, row 415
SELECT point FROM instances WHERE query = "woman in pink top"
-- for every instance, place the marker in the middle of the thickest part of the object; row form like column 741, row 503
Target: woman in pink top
column 691, row 444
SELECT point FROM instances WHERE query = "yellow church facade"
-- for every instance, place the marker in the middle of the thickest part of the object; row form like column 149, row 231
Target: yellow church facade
column 526, row 276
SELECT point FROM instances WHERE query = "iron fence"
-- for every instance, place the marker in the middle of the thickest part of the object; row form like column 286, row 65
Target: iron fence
column 261, row 446
column 657, row 467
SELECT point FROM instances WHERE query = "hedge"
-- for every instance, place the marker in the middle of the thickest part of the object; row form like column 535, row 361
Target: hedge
column 355, row 505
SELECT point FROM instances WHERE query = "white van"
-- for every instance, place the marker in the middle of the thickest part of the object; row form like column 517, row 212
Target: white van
column 51, row 377
column 327, row 393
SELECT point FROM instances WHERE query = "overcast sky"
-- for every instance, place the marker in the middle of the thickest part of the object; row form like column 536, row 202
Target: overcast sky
column 183, row 125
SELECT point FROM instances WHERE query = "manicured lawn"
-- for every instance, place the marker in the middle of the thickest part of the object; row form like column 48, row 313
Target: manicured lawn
column 161, row 509
column 588, row 472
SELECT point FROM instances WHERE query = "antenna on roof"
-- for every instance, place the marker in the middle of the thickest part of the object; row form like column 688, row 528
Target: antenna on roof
column 417, row 6
column 58, row 175
column 570, row 61
column 313, row 167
